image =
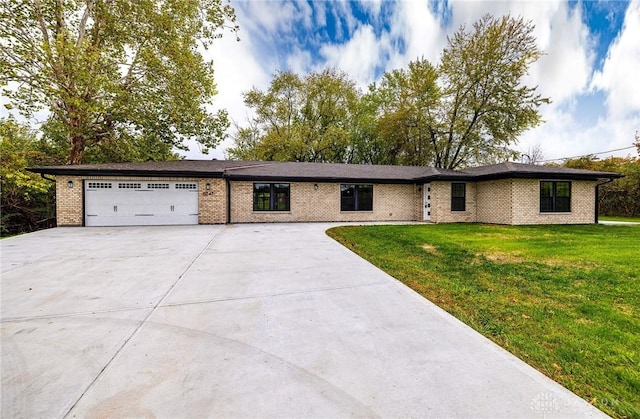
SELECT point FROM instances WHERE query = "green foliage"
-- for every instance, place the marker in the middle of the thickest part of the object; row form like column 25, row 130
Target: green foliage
column 467, row 110
column 485, row 105
column 472, row 107
column 114, row 70
column 622, row 196
column 406, row 101
column 27, row 199
column 300, row 119
column 562, row 298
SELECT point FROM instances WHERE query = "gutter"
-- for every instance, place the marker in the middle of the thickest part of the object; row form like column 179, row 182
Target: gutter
column 125, row 172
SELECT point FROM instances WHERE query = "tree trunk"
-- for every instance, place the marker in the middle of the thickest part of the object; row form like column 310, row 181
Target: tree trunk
column 77, row 149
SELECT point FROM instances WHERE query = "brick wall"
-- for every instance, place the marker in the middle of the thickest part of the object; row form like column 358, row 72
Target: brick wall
column 526, row 204
column 509, row 201
column 494, row 201
column 441, row 204
column 69, row 204
column 69, row 201
column 390, row 203
column 212, row 202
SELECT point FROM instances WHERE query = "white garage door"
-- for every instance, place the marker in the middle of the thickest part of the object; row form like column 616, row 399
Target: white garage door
column 120, row 203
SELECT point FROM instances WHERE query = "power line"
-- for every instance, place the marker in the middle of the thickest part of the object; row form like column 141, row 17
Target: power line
column 589, row 154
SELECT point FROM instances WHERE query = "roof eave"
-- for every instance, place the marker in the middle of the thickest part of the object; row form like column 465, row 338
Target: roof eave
column 551, row 175
column 317, row 179
column 122, row 172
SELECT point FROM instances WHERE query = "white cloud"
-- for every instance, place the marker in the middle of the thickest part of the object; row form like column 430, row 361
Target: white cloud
column 619, row 75
column 414, row 25
column 372, row 6
column 563, row 137
column 299, row 61
column 269, row 16
column 358, row 57
column 320, row 14
column 564, row 71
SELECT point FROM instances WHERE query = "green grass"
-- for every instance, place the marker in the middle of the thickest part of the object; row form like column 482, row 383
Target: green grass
column 627, row 219
column 565, row 299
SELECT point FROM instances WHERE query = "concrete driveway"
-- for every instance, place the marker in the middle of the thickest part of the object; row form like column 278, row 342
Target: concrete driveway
column 259, row 320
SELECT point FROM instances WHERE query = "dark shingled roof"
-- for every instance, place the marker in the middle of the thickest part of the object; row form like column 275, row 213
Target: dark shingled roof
column 330, row 172
column 193, row 168
column 520, row 170
column 319, row 172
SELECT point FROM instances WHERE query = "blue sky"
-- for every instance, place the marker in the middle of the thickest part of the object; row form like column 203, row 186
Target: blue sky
column 589, row 70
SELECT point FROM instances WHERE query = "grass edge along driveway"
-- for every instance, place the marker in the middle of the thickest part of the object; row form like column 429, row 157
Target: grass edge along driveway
column 565, row 299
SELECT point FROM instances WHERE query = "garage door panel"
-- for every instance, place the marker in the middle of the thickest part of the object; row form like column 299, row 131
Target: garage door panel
column 140, row 203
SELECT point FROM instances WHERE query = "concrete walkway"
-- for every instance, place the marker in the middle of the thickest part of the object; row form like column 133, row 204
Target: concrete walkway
column 618, row 223
column 240, row 321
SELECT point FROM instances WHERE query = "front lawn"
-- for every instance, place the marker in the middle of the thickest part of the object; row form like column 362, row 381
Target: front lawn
column 565, row 299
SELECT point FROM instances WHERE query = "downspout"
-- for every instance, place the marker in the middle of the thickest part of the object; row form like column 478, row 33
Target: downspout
column 598, row 196
column 55, row 196
column 42, row 175
column 228, row 199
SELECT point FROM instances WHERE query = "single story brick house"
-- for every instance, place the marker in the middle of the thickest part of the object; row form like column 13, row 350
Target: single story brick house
column 221, row 191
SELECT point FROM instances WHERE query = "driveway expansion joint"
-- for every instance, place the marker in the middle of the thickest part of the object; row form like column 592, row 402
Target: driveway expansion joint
column 74, row 314
column 269, row 295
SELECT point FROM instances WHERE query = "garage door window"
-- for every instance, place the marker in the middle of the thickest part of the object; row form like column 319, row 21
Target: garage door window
column 129, row 186
column 271, row 197
column 99, row 185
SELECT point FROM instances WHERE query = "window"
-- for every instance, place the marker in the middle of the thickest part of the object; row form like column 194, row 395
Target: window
column 356, row 197
column 99, row 185
column 555, row 196
column 458, row 196
column 271, row 197
column 129, row 186
column 186, row 186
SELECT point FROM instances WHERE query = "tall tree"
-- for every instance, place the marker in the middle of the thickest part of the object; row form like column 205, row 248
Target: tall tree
column 469, row 109
column 408, row 100
column 26, row 199
column 113, row 69
column 473, row 106
column 300, row 119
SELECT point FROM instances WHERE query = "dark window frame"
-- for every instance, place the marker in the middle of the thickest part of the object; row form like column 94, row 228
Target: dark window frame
column 359, row 201
column 551, row 202
column 458, row 201
column 271, row 200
